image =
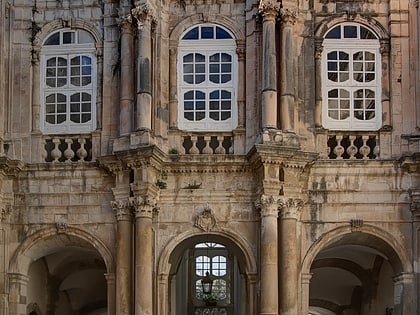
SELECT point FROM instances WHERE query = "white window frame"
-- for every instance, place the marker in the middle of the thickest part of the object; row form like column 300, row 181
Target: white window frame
column 351, row 46
column 68, row 51
column 207, row 47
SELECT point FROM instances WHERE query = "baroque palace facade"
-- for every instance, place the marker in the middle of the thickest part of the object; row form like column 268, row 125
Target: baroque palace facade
column 209, row 157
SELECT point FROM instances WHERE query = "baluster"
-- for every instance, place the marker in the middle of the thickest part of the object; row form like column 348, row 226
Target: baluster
column 44, row 153
column 364, row 149
column 68, row 152
column 339, row 150
column 56, row 153
column 194, row 149
column 81, row 152
column 220, row 149
column 376, row 149
column 207, row 149
column 352, row 149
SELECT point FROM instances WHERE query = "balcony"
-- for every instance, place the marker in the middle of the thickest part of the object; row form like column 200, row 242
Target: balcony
column 207, row 144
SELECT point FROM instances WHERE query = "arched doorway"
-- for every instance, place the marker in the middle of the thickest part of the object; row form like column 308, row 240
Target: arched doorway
column 354, row 275
column 64, row 273
column 220, row 259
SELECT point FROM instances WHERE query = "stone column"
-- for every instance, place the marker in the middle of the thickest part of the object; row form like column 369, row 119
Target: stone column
column 36, row 101
column 290, row 209
column 318, row 83
column 173, row 89
column 18, row 284
column 144, row 208
column 144, row 15
column 385, row 98
column 269, row 251
column 287, row 82
column 269, row 10
column 240, row 50
column 123, row 297
column 252, row 293
column 127, row 75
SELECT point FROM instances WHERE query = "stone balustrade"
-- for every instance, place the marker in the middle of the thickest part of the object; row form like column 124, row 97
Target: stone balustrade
column 208, row 144
column 353, row 146
column 67, row 148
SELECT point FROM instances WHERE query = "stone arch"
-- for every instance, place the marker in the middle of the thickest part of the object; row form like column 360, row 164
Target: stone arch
column 333, row 20
column 73, row 24
column 199, row 18
column 369, row 236
column 178, row 243
column 47, row 240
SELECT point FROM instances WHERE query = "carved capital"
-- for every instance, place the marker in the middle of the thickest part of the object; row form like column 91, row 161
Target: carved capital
column 122, row 210
column 144, row 207
column 384, row 47
column 125, row 21
column 269, row 8
column 206, row 221
column 144, row 14
column 268, row 206
column 287, row 16
column 290, row 208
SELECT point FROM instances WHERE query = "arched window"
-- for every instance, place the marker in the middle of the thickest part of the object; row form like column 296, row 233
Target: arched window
column 207, row 79
column 351, row 78
column 68, row 82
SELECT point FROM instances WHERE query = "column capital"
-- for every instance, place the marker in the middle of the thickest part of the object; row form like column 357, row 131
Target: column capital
column 125, row 22
column 290, row 208
column 288, row 17
column 404, row 277
column 269, row 8
column 384, row 47
column 35, row 52
column 144, row 14
column 268, row 206
column 144, row 206
column 122, row 210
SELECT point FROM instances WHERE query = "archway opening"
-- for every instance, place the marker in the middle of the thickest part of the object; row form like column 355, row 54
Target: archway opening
column 353, row 275
column 66, row 277
column 214, row 256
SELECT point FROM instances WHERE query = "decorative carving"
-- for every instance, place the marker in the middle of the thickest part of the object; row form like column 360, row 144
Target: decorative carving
column 268, row 206
column 269, row 8
column 144, row 206
column 356, row 225
column 288, row 16
column 143, row 14
column 122, row 210
column 290, row 208
column 5, row 212
column 61, row 227
column 206, row 221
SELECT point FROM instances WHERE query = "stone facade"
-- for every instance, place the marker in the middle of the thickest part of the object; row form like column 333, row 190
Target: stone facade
column 313, row 219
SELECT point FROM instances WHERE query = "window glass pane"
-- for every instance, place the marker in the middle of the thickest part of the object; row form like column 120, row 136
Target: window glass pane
column 221, row 33
column 207, row 32
column 366, row 34
column 192, row 34
column 69, row 37
column 214, row 115
column 199, row 116
column 335, row 33
column 84, row 37
column 350, row 31
column 54, row 39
